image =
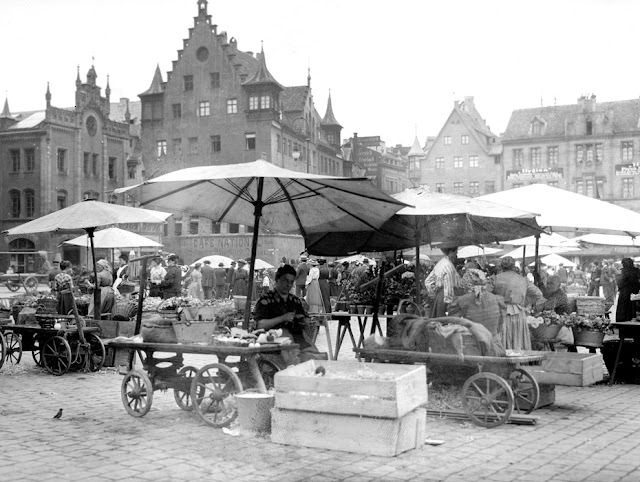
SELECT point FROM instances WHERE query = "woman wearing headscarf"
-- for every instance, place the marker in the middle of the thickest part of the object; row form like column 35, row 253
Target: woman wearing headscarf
column 314, row 295
column 628, row 283
column 64, row 287
column 518, row 293
column 104, row 283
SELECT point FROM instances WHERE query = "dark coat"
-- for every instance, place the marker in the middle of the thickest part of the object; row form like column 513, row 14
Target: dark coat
column 207, row 276
column 628, row 283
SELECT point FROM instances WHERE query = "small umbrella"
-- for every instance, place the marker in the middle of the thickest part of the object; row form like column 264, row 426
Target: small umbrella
column 215, row 260
column 476, row 251
column 260, row 264
column 89, row 215
column 266, row 196
column 555, row 260
column 112, row 238
column 530, row 251
column 551, row 239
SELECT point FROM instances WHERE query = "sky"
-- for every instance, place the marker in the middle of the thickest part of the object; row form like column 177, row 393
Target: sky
column 393, row 69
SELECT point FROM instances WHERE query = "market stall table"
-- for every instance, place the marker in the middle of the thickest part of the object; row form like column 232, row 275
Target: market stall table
column 205, row 390
column 626, row 329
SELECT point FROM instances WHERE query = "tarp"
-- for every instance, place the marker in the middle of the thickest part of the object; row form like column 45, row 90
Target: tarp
column 530, row 251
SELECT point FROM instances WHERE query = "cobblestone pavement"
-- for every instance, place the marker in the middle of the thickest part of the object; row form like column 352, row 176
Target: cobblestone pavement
column 589, row 434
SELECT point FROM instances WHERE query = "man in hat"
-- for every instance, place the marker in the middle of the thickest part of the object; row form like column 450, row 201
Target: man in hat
column 172, row 283
column 220, row 280
column 207, row 279
column 54, row 271
column 241, row 280
column 442, row 282
column 302, row 271
column 231, row 278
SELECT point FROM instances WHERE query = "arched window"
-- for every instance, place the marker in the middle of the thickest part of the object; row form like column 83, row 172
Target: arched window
column 29, row 203
column 62, row 199
column 22, row 262
column 14, row 204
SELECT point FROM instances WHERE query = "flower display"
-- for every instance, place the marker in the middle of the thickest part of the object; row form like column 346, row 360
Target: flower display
column 588, row 322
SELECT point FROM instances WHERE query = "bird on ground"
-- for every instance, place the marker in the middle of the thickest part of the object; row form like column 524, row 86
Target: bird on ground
column 320, row 371
column 59, row 414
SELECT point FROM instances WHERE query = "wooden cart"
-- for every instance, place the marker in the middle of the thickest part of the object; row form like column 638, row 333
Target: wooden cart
column 500, row 386
column 207, row 390
column 57, row 350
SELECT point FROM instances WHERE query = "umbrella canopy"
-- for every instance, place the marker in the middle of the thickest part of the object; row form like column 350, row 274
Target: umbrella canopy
column 215, row 260
column 261, row 264
column 530, row 251
column 114, row 238
column 266, row 196
column 552, row 240
column 476, row 251
column 356, row 258
column 555, row 260
column 608, row 239
column 564, row 210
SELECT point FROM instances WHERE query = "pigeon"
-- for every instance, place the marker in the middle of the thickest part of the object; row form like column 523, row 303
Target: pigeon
column 320, row 371
column 59, row 414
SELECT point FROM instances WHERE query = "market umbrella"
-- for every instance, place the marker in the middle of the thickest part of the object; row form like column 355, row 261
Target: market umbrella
column 556, row 260
column 523, row 252
column 112, row 238
column 261, row 264
column 266, row 196
column 608, row 239
column 476, row 251
column 356, row 258
column 88, row 215
column 551, row 239
column 215, row 260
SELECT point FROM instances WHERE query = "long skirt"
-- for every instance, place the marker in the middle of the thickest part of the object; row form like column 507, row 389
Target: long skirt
column 438, row 307
column 326, row 298
column 515, row 331
column 195, row 290
column 65, row 302
column 314, row 297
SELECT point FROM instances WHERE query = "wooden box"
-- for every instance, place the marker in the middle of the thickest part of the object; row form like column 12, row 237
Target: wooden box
column 116, row 357
column 108, row 328
column 126, row 328
column 367, row 435
column 352, row 388
column 571, row 369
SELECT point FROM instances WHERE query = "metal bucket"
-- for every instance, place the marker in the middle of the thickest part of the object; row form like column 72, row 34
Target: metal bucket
column 254, row 411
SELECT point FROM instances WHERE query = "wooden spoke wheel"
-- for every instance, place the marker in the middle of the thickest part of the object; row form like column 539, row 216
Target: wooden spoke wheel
column 3, row 349
column 97, row 352
column 13, row 285
column 268, row 369
column 13, row 353
column 487, row 399
column 31, row 284
column 137, row 393
column 212, row 394
column 526, row 392
column 56, row 355
column 182, row 394
column 35, row 352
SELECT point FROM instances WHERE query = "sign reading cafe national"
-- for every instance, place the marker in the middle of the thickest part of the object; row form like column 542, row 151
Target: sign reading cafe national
column 541, row 174
column 628, row 169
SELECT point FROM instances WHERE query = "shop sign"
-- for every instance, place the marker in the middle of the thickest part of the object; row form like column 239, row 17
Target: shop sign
column 628, row 169
column 540, row 174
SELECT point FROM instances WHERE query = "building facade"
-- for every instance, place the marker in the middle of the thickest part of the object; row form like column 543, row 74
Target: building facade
column 590, row 148
column 222, row 105
column 53, row 158
column 463, row 158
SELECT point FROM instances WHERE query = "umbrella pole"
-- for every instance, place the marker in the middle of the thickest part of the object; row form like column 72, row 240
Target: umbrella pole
column 257, row 214
column 96, row 295
column 524, row 261
column 536, row 264
column 417, row 272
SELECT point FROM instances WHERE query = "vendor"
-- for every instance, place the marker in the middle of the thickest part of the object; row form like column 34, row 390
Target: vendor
column 278, row 308
column 171, row 285
column 442, row 282
column 64, row 287
column 107, row 297
column 555, row 297
column 121, row 273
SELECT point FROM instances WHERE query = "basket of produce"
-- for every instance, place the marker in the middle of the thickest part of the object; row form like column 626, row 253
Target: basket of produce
column 188, row 331
column 47, row 304
column 124, row 310
column 590, row 305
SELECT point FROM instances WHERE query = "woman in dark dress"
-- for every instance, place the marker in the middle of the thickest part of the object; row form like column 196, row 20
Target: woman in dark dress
column 323, row 281
column 628, row 283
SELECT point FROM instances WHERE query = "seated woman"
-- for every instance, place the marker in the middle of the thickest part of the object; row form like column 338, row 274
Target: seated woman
column 278, row 308
column 555, row 297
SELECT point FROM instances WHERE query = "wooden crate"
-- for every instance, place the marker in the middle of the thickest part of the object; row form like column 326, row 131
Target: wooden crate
column 352, row 388
column 367, row 435
column 571, row 369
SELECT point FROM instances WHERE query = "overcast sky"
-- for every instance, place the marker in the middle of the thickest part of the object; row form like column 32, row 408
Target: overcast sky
column 394, row 68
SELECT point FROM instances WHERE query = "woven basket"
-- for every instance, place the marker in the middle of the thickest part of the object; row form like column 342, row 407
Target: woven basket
column 125, row 309
column 47, row 306
column 590, row 338
column 546, row 332
column 194, row 331
column 590, row 305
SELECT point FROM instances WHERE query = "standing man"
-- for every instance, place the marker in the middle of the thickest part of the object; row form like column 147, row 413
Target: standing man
column 54, row 272
column 608, row 282
column 220, row 280
column 231, row 278
column 301, row 277
column 172, row 283
column 562, row 275
column 207, row 280
column 442, row 281
column 594, row 283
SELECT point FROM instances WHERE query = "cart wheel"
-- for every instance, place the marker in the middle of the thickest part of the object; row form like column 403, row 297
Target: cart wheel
column 526, row 392
column 137, row 393
column 212, row 393
column 268, row 369
column 3, row 349
column 487, row 399
column 56, row 355
column 13, row 285
column 31, row 284
column 97, row 352
column 13, row 353
column 35, row 352
column 183, row 397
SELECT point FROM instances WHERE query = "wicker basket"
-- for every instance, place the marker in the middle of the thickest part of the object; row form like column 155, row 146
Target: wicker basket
column 590, row 338
column 546, row 332
column 194, row 331
column 590, row 305
column 47, row 305
column 124, row 310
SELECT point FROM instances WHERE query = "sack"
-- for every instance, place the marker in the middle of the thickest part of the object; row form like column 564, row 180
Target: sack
column 158, row 330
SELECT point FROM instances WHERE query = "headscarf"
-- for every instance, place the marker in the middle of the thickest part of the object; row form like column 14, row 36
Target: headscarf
column 508, row 264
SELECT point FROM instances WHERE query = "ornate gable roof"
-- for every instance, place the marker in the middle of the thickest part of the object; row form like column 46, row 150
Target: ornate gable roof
column 156, row 86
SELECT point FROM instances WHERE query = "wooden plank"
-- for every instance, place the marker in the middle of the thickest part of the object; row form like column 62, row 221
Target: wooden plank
column 515, row 418
column 327, row 403
column 417, row 356
column 572, row 369
column 365, row 435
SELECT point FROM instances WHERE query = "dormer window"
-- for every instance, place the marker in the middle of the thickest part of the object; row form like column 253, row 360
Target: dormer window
column 537, row 127
column 589, row 127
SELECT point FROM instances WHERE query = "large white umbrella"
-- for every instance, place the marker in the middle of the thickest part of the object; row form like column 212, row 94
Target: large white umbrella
column 556, row 260
column 215, row 260
column 113, row 238
column 476, row 251
column 261, row 264
column 263, row 195
column 530, row 251
column 356, row 258
column 551, row 239
column 608, row 239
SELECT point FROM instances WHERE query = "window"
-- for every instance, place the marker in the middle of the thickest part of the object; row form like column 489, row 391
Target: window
column 112, row 168
column 552, row 183
column 250, row 142
column 464, row 139
column 161, row 148
column 599, row 188
column 113, row 199
column 627, row 150
column 589, row 187
column 14, row 154
column 29, row 202
column 14, row 197
column 188, row 82
column 30, row 159
column 265, row 102
column 254, row 102
column 439, row 187
column 579, row 153
column 86, row 164
column 90, row 195
column 215, row 227
column 439, row 162
column 234, row 228
column 489, row 187
column 457, row 161
column 177, row 110
column 518, row 158
column 474, row 161
column 446, row 140
column 289, row 150
column 580, row 187
column 193, row 145
column 61, row 199
column 627, row 188
column 552, row 156
column 589, row 127
column 204, row 108
column 177, row 147
column 232, row 106
column 589, row 150
column 132, row 170
column 474, row 187
column 599, row 152
column 216, row 145
column 61, row 161
column 457, row 188
column 534, row 157
column 215, row 80
column 194, row 225
column 278, row 141
column 178, row 228
column 94, row 166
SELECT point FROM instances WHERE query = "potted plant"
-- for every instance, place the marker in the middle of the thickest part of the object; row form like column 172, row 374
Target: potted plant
column 588, row 330
column 546, row 326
